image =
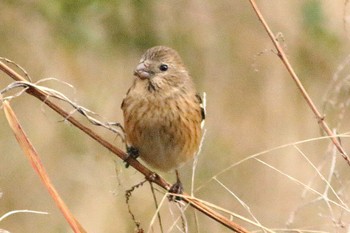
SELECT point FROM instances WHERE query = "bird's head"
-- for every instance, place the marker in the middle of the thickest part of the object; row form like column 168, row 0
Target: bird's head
column 161, row 66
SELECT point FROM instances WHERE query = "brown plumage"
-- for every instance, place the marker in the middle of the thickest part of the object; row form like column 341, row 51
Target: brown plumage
column 162, row 111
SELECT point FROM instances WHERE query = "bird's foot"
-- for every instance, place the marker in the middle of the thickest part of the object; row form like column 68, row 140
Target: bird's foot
column 132, row 152
column 176, row 189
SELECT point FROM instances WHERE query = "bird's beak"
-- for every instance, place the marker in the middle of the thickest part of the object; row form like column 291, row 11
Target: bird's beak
column 142, row 71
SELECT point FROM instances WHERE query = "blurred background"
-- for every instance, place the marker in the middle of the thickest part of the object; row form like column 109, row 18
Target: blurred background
column 253, row 106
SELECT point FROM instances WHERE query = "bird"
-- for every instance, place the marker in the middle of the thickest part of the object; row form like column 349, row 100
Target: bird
column 163, row 112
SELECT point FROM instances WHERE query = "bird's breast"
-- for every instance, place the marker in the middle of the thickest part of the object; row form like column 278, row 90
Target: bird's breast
column 166, row 131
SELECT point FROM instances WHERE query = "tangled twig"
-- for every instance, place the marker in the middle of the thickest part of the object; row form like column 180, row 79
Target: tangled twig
column 49, row 92
column 128, row 194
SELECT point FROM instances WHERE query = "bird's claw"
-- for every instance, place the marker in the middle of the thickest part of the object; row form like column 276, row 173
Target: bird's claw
column 176, row 189
column 132, row 152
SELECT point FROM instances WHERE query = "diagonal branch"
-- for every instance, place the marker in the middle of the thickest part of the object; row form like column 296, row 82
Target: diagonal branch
column 37, row 165
column 151, row 176
column 281, row 54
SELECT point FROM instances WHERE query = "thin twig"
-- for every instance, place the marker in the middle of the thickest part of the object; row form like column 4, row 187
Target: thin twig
column 312, row 190
column 58, row 95
column 281, row 54
column 157, row 207
column 156, row 213
column 128, row 194
column 18, row 66
column 240, row 201
column 20, row 211
column 184, row 224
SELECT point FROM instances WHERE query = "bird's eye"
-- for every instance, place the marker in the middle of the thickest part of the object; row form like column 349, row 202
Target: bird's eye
column 163, row 67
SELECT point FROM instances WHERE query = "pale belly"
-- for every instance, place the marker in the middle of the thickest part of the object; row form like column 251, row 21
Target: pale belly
column 163, row 145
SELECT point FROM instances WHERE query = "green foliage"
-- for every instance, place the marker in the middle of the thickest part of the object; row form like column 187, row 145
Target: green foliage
column 126, row 23
column 316, row 34
column 131, row 24
column 314, row 22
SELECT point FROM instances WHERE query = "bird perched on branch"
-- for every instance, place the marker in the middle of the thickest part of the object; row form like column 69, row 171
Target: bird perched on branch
column 162, row 112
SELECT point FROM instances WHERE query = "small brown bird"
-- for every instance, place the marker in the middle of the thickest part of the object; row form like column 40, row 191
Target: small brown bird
column 162, row 111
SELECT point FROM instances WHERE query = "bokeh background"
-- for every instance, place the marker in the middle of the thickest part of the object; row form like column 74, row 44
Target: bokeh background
column 252, row 106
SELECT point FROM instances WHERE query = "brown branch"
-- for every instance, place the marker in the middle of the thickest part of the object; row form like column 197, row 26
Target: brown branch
column 35, row 161
column 151, row 176
column 281, row 54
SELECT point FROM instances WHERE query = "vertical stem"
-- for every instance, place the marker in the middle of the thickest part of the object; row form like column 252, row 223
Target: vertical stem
column 281, row 54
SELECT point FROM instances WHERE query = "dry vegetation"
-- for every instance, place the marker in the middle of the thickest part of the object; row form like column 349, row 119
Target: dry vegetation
column 264, row 156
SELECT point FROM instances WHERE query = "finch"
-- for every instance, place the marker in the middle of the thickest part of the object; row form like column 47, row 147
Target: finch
column 162, row 111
